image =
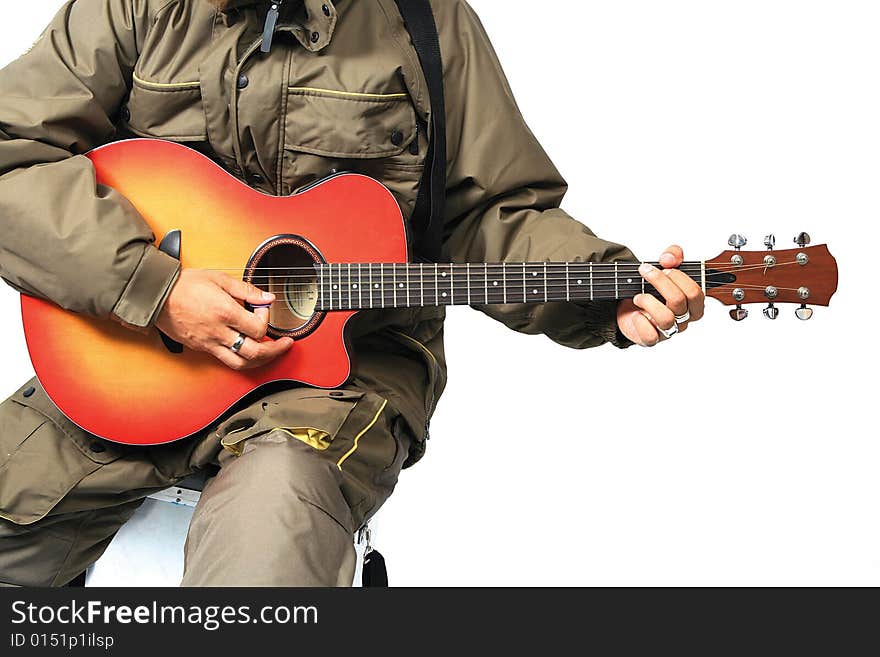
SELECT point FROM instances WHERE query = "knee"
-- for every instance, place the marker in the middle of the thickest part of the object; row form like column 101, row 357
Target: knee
column 275, row 471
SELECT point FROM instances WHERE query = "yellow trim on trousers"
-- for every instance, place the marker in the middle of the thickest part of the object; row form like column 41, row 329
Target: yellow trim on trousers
column 358, row 437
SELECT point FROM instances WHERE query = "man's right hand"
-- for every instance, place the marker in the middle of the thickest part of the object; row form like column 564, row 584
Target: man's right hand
column 204, row 312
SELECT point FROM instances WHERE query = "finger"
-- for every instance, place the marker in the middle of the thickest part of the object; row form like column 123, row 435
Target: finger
column 266, row 352
column 228, row 357
column 645, row 329
column 672, row 257
column 252, row 324
column 674, row 296
column 696, row 300
column 244, row 291
column 260, row 353
column 660, row 313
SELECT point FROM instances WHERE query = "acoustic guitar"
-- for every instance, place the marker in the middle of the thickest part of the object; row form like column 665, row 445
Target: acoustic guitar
column 328, row 251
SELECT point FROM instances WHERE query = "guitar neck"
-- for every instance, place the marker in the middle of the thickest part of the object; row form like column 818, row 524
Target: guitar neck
column 365, row 286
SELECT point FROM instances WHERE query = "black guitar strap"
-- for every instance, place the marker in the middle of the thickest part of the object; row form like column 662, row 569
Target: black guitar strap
column 427, row 217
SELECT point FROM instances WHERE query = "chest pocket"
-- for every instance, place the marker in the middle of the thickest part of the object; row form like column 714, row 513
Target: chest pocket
column 374, row 134
column 170, row 111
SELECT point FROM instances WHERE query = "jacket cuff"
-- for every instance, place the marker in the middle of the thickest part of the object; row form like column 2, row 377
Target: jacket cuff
column 147, row 289
column 601, row 320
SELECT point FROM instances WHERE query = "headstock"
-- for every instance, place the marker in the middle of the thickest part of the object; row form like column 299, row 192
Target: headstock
column 805, row 275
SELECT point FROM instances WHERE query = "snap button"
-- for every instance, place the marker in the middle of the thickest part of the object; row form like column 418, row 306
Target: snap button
column 336, row 393
column 97, row 447
column 257, row 179
column 315, row 37
column 29, row 391
column 326, row 10
column 126, row 114
column 397, row 137
column 243, row 81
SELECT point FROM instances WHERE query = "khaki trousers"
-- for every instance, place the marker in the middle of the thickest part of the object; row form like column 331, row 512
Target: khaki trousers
column 300, row 471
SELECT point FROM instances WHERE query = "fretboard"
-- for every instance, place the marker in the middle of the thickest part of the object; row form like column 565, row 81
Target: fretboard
column 364, row 286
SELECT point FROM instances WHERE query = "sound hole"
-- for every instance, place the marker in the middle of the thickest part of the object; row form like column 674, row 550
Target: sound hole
column 285, row 266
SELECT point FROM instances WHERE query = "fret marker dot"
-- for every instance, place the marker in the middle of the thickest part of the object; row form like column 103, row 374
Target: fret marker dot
column 580, row 282
column 401, row 285
column 534, row 291
column 443, row 274
column 355, row 286
column 335, row 287
column 444, row 294
column 534, row 273
column 495, row 283
column 629, row 280
column 376, row 286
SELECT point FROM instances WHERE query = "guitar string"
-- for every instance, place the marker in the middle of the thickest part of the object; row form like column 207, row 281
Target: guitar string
column 511, row 266
column 510, row 272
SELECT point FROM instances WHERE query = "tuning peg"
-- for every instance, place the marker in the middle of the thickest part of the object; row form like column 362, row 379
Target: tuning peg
column 739, row 313
column 771, row 311
column 804, row 313
column 737, row 241
column 802, row 239
column 770, row 241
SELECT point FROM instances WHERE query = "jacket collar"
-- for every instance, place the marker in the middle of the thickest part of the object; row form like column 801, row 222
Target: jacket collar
column 313, row 31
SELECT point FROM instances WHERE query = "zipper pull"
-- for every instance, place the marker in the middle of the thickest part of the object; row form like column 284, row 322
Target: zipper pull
column 269, row 27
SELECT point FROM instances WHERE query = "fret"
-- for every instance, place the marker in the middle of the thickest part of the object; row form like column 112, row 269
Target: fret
column 525, row 284
column 322, row 302
column 382, row 282
column 631, row 283
column 504, row 279
column 436, row 285
column 545, row 283
column 349, row 286
column 444, row 288
column 567, row 284
column 486, row 281
column 592, row 296
column 408, row 304
column 468, row 275
column 452, row 283
column 616, row 292
column 371, row 284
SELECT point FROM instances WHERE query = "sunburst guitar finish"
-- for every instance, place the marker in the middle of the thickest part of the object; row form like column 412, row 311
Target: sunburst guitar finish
column 127, row 386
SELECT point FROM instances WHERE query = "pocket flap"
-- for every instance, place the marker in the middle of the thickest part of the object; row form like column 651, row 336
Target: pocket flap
column 348, row 125
column 311, row 415
column 38, row 463
column 171, row 111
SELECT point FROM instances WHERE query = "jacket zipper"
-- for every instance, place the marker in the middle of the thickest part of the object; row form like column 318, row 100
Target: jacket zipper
column 269, row 27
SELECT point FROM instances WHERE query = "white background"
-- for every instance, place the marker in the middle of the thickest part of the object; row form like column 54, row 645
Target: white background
column 736, row 454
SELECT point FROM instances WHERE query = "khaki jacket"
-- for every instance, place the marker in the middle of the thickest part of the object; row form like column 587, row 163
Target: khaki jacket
column 341, row 89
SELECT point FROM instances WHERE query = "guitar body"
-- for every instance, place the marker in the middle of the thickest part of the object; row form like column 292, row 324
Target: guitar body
column 127, row 386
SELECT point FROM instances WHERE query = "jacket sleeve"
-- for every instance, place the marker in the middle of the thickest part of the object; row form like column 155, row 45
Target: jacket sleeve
column 64, row 237
column 503, row 192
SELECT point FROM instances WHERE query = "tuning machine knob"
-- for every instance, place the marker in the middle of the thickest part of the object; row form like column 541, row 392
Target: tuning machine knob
column 770, row 241
column 771, row 311
column 737, row 241
column 802, row 239
column 739, row 313
column 804, row 312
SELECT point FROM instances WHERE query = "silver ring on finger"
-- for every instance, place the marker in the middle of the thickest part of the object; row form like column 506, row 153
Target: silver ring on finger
column 238, row 344
column 668, row 333
column 681, row 319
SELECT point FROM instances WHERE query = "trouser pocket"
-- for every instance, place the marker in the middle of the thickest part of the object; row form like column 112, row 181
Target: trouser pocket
column 42, row 455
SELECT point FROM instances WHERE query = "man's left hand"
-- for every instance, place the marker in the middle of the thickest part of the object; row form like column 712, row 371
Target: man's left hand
column 641, row 317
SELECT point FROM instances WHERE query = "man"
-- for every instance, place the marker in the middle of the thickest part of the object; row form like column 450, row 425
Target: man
column 340, row 88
